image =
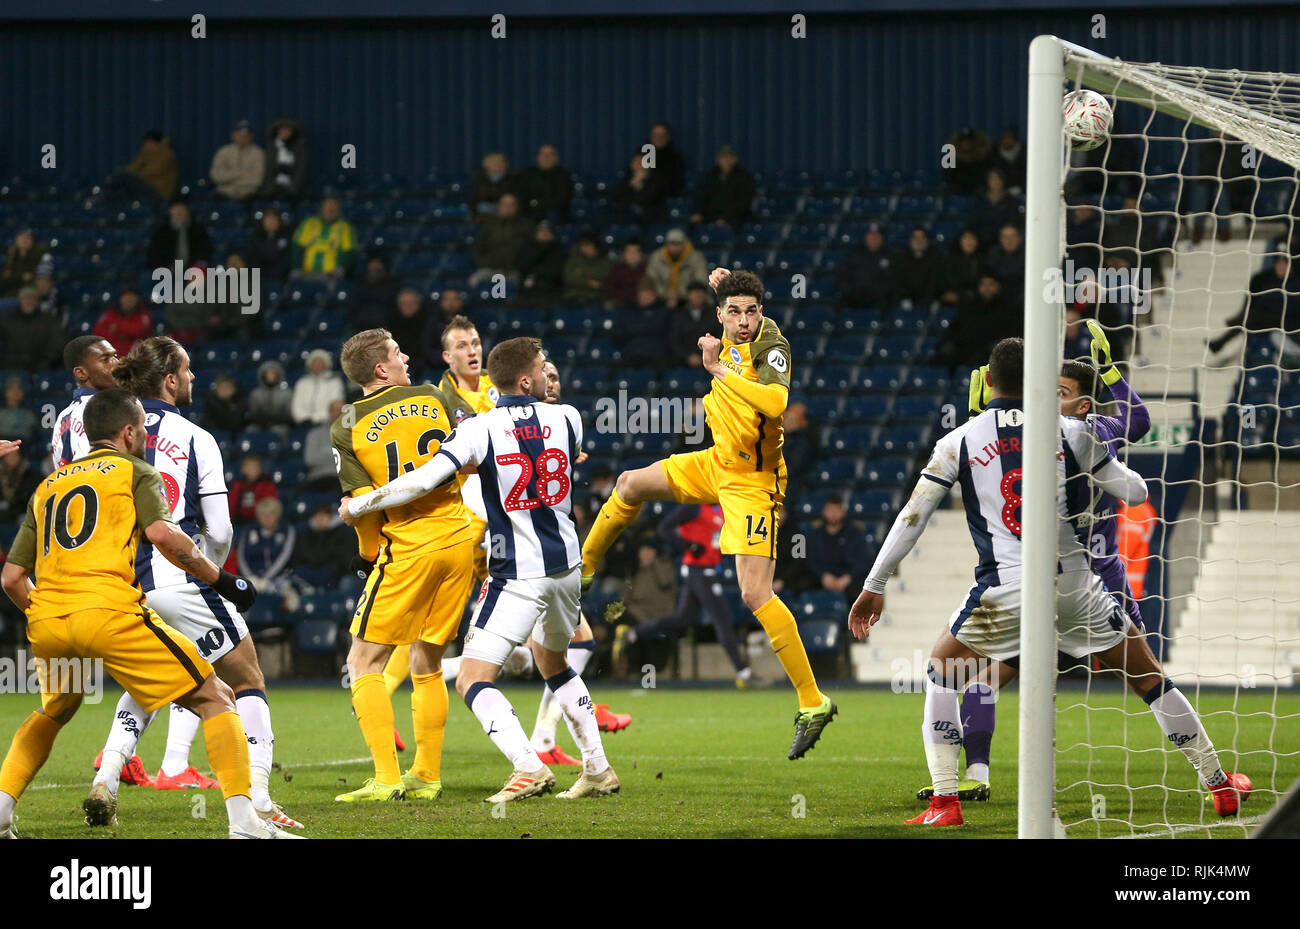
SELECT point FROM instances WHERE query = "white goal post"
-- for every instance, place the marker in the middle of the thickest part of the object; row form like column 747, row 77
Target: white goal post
column 1256, row 109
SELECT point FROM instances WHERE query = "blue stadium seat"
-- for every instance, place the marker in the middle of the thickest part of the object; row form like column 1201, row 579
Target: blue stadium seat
column 915, row 407
column 586, row 377
column 265, row 614
column 888, row 471
column 566, row 348
column 524, row 321
column 901, row 439
column 867, row 321
column 820, row 604
column 855, row 440
column 880, row 377
column 807, row 349
column 813, row 319
column 303, row 506
column 265, row 442
column 831, row 378
column 822, row 408
column 895, row 348
column 327, row 604
column 602, row 443
column 822, row 636
column 638, row 382
column 603, row 350
column 317, row 636
column 873, row 504
column 692, row 381
column 847, row 349
column 837, row 471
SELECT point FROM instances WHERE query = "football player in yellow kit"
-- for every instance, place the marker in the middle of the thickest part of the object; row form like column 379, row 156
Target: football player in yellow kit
column 743, row 472
column 423, row 557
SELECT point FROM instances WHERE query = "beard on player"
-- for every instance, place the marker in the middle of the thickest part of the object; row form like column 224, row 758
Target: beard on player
column 553, row 388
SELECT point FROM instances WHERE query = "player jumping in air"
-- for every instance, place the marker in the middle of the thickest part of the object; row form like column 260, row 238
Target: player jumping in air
column 157, row 370
column 79, row 541
column 984, row 456
column 1095, row 527
column 743, row 471
column 524, row 450
column 422, row 554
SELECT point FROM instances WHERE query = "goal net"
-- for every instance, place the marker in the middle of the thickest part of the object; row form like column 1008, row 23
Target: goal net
column 1177, row 235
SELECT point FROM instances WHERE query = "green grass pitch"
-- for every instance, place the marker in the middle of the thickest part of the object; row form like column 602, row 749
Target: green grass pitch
column 697, row 763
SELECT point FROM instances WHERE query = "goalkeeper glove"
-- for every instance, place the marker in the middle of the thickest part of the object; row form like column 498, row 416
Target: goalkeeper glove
column 360, row 566
column 1100, row 349
column 237, row 590
column 980, row 391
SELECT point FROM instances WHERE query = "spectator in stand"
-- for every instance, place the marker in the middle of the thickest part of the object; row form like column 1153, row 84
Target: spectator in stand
column 837, row 550
column 691, row 320
column 979, row 325
column 1083, row 236
column 239, row 167
column 1009, row 158
column 272, row 248
column 919, row 269
column 265, row 550
column 1271, row 296
column 318, row 388
column 642, row 194
column 285, row 174
column 225, row 410
column 962, row 271
column 726, row 193
column 500, row 240
column 373, row 297
column 407, row 323
column 670, row 163
column 791, row 575
column 47, row 295
column 151, row 175
column 16, row 420
column 324, row 244
column 995, row 207
column 318, row 453
column 650, row 592
column 799, row 450
column 1006, row 260
column 181, row 238
column 625, row 277
column 270, row 403
column 545, row 189
column 18, row 481
column 673, row 268
column 492, row 181
column 250, row 489
column 322, row 554
column 126, row 323
column 21, row 262
column 866, row 275
column 971, row 153
column 586, row 269
column 33, row 341
column 541, row 267
column 641, row 330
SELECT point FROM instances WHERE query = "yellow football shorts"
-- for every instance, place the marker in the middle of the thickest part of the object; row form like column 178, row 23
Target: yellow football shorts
column 750, row 500
column 419, row 598
column 153, row 662
column 478, row 528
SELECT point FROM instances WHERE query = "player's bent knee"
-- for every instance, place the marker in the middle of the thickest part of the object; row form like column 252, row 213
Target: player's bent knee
column 61, row 707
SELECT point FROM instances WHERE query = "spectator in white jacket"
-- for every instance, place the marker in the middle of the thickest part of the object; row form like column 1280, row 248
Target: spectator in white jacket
column 237, row 168
column 316, row 390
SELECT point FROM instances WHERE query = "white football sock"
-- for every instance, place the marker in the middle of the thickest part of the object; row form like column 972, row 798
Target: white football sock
column 450, row 668
column 580, row 654
column 255, row 714
column 1182, row 726
column 548, row 717
column 580, row 713
column 501, row 723
column 240, row 812
column 129, row 723
column 977, row 772
column 941, row 733
column 6, row 808
column 182, row 727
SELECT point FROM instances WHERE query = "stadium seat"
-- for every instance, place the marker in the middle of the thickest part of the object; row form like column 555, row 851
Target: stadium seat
column 822, row 636
column 329, row 604
column 831, row 378
column 810, row 320
column 872, row 504
column 915, row 408
column 317, row 636
column 837, row 471
column 887, row 471
column 881, row 377
column 265, row 442
column 820, row 604
column 847, row 349
column 861, row 321
column 852, row 439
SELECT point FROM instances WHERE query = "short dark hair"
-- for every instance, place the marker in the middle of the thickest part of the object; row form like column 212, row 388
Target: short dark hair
column 457, row 322
column 740, row 284
column 834, row 498
column 512, row 359
column 1083, row 373
column 108, row 411
column 74, row 353
column 147, row 365
column 1007, row 366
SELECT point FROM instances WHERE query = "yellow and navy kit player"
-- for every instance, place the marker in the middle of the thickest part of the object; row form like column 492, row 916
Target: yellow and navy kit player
column 421, row 551
column 743, row 470
column 478, row 401
column 83, row 528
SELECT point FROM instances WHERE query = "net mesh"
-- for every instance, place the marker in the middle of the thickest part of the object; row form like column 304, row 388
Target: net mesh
column 1177, row 239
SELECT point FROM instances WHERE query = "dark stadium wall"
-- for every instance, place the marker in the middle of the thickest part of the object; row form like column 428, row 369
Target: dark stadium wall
column 876, row 91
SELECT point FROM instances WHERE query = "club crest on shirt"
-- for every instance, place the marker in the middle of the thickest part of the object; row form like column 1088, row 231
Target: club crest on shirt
column 171, row 491
column 735, row 354
column 494, row 394
column 151, row 419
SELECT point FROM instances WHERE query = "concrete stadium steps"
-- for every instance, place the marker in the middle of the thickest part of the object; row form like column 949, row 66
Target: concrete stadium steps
column 931, row 582
column 1204, row 287
column 1241, row 622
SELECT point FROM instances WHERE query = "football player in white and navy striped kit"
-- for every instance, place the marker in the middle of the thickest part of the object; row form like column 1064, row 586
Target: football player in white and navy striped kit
column 90, row 360
column 157, row 370
column 524, row 451
column 984, row 456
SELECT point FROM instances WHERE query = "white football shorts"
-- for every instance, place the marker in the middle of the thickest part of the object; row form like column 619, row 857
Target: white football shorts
column 511, row 610
column 202, row 615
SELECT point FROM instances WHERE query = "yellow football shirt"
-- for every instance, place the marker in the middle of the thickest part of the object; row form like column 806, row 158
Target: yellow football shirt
column 82, row 530
column 480, row 401
column 394, row 431
column 741, row 432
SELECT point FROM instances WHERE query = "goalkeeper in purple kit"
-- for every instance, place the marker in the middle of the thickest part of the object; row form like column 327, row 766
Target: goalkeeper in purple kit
column 1094, row 527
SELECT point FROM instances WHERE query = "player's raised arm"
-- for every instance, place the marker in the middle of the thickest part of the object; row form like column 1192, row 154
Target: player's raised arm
column 770, row 393
column 1105, row 470
column 936, row 480
column 1134, row 420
